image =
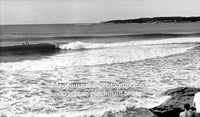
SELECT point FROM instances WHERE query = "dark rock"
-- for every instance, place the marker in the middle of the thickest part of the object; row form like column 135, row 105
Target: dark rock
column 170, row 108
column 173, row 106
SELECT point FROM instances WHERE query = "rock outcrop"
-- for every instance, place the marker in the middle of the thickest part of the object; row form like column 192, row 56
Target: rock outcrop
column 170, row 108
column 173, row 106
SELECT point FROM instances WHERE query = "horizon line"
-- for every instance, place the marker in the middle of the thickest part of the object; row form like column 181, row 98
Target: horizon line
column 91, row 23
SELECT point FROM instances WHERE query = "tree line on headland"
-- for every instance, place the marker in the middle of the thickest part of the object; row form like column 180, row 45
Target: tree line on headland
column 157, row 20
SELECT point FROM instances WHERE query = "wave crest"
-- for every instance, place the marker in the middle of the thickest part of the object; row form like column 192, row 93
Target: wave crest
column 78, row 45
column 75, row 45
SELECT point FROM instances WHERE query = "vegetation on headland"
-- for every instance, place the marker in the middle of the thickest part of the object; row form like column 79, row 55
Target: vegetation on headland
column 157, row 20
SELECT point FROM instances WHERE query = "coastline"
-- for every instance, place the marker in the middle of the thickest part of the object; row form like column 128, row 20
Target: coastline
column 176, row 19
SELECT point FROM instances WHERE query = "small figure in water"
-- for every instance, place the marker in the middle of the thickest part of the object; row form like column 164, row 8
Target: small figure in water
column 27, row 43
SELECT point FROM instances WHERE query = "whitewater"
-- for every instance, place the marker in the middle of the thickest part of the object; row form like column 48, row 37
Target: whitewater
column 151, row 65
column 82, row 45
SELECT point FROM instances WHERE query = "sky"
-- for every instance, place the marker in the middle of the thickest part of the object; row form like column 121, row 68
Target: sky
column 91, row 11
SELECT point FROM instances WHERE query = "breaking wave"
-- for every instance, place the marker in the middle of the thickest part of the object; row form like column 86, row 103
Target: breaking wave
column 78, row 45
column 104, row 56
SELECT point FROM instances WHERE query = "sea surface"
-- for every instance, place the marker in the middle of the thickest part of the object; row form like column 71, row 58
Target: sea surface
column 95, row 67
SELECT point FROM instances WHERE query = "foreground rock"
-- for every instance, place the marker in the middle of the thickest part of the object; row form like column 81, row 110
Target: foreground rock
column 170, row 108
column 173, row 106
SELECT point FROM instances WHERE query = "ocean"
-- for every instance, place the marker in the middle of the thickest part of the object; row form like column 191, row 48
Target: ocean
column 79, row 70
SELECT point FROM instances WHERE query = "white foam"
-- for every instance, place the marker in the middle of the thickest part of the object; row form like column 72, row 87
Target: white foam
column 150, row 103
column 141, row 102
column 82, row 45
column 88, row 113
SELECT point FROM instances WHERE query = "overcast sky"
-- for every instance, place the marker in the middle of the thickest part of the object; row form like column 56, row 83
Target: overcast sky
column 91, row 11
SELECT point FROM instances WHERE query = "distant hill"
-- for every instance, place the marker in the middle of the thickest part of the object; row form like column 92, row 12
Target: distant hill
column 157, row 20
